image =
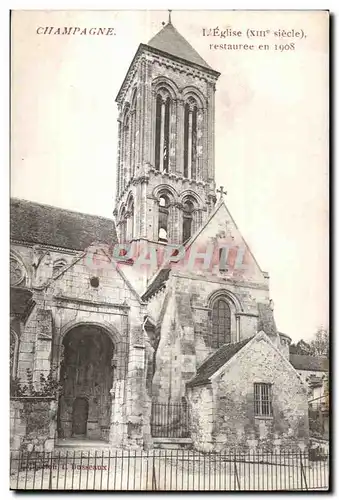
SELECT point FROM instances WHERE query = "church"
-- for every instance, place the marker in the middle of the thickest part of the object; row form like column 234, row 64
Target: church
column 154, row 328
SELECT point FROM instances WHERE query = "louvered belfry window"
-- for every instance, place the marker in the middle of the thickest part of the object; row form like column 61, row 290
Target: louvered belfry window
column 263, row 400
column 221, row 323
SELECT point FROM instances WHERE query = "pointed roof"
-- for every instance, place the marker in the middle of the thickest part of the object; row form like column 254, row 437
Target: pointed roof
column 169, row 40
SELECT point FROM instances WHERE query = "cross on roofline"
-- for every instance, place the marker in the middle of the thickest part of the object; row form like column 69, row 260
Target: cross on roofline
column 169, row 18
column 222, row 192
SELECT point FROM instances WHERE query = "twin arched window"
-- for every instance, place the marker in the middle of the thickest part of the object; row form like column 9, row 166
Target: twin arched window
column 164, row 112
column 221, row 323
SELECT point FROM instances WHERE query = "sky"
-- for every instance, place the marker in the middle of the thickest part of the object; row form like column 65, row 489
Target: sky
column 271, row 131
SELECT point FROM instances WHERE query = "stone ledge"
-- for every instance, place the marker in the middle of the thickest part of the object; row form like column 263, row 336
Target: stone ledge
column 172, row 440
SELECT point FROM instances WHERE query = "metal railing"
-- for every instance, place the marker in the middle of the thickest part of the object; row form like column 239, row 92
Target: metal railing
column 170, row 420
column 169, row 470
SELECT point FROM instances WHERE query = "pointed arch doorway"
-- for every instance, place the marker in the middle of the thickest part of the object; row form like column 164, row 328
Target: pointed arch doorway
column 86, row 378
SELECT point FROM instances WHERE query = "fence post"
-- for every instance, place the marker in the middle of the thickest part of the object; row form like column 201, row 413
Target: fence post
column 236, row 478
column 302, row 472
column 50, row 482
column 154, row 479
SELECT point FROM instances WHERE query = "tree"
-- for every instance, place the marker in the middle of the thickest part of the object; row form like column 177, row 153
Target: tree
column 320, row 344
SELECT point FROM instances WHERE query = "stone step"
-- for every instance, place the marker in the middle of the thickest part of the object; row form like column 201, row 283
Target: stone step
column 80, row 445
column 172, row 443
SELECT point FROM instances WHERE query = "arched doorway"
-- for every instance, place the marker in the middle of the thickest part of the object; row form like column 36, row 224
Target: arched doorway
column 86, row 377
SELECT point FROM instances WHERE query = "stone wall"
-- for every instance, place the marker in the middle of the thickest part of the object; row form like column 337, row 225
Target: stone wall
column 32, row 423
column 69, row 301
column 235, row 424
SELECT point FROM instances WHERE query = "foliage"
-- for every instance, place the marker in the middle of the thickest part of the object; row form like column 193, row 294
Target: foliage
column 318, row 346
column 48, row 386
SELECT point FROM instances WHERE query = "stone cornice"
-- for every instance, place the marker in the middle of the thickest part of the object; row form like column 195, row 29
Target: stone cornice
column 76, row 300
column 244, row 313
column 215, row 279
column 168, row 60
column 47, row 247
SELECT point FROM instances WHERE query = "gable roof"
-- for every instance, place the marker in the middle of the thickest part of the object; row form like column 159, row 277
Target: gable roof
column 216, row 361
column 219, row 204
column 47, row 225
column 169, row 40
column 162, row 275
column 309, row 363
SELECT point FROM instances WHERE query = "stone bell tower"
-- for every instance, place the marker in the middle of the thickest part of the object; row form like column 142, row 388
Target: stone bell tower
column 165, row 187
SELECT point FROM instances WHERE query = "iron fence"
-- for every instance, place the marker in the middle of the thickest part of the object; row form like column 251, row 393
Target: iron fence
column 170, row 420
column 169, row 470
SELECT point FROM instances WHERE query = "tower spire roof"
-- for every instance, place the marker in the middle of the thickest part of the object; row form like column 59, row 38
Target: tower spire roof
column 169, row 40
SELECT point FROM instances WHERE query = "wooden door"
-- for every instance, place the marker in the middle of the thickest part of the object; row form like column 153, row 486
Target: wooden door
column 80, row 415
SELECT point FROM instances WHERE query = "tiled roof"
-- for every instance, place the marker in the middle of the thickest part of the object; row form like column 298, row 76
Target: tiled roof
column 309, row 363
column 169, row 40
column 157, row 284
column 44, row 224
column 216, row 361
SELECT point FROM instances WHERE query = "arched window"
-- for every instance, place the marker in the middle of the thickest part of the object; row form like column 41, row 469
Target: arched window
column 58, row 265
column 130, row 214
column 221, row 323
column 163, row 218
column 17, row 272
column 162, row 130
column 123, row 224
column 190, row 138
column 187, row 220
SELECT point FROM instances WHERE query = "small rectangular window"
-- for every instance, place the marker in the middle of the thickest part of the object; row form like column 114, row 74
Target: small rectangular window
column 223, row 254
column 263, row 400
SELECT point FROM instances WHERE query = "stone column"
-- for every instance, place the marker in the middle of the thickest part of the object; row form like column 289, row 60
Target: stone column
column 176, row 223
column 152, row 128
column 162, row 134
column 118, row 180
column 132, row 145
column 237, row 318
column 118, row 428
column 204, row 170
column 189, row 161
column 199, row 152
column 180, row 137
column 210, row 130
column 173, row 136
column 43, row 346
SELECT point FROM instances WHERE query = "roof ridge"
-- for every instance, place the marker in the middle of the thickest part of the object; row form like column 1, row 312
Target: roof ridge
column 47, row 205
